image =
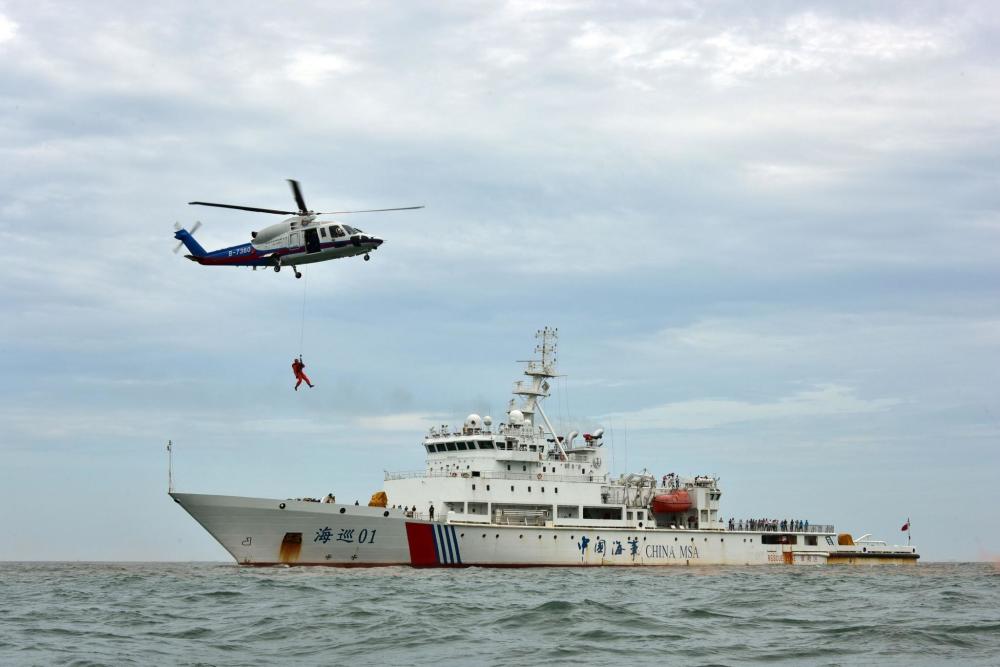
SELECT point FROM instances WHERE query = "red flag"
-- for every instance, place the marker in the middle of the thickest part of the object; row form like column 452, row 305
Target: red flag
column 906, row 526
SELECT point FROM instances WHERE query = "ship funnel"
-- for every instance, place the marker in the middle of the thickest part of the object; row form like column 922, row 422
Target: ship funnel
column 569, row 438
column 598, row 433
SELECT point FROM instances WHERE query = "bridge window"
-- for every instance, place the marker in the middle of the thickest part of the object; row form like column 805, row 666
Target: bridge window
column 461, row 446
column 451, row 446
column 430, row 449
column 486, row 444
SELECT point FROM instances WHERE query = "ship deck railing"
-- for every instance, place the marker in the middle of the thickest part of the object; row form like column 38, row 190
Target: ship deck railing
column 811, row 528
column 519, row 476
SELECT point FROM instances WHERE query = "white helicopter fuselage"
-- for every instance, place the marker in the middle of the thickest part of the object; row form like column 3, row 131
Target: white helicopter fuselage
column 304, row 240
column 292, row 242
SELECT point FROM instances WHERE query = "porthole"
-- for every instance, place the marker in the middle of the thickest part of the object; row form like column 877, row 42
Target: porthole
column 461, row 535
column 520, row 537
column 554, row 536
column 511, row 487
column 385, row 513
column 539, row 537
column 498, row 536
column 343, row 509
column 484, row 535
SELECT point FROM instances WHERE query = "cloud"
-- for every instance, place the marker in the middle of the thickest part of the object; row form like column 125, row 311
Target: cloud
column 311, row 68
column 412, row 422
column 8, row 29
column 711, row 413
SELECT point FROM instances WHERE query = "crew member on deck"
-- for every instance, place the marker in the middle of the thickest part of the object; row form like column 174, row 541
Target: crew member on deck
column 297, row 366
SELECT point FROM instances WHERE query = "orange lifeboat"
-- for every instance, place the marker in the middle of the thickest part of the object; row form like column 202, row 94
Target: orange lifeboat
column 672, row 502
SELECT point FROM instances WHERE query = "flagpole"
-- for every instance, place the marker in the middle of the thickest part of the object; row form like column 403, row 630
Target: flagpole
column 170, row 467
column 907, row 531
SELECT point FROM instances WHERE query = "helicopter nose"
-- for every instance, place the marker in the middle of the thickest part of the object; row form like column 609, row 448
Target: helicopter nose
column 376, row 241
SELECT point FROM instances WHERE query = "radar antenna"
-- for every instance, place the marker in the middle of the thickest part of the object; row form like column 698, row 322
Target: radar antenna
column 540, row 371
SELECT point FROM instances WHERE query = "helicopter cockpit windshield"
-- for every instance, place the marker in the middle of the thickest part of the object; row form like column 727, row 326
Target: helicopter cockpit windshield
column 351, row 230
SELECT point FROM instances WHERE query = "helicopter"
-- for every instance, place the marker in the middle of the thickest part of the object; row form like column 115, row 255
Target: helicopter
column 301, row 239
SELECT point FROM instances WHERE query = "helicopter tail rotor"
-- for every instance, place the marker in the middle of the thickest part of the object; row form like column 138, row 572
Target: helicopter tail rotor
column 178, row 228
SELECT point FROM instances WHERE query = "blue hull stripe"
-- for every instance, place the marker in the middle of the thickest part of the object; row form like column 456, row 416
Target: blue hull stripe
column 446, row 545
column 454, row 541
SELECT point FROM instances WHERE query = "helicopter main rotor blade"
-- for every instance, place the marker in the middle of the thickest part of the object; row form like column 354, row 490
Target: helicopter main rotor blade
column 244, row 208
column 370, row 210
column 298, row 196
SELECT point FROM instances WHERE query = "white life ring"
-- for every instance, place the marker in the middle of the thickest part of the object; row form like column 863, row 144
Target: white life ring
column 538, row 476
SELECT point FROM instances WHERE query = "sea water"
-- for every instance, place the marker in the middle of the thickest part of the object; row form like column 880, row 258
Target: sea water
column 219, row 614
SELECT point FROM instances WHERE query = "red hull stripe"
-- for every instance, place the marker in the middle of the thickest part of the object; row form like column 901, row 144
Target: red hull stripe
column 420, row 537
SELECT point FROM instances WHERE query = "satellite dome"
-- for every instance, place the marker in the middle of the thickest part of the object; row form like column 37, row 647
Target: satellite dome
column 473, row 421
column 487, row 420
column 516, row 417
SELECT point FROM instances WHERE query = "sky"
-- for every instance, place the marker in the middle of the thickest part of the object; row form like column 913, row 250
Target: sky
column 768, row 236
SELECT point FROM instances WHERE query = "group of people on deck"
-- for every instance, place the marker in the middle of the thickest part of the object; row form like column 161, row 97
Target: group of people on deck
column 769, row 525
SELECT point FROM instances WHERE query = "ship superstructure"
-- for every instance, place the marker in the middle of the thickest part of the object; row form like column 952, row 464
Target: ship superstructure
column 520, row 494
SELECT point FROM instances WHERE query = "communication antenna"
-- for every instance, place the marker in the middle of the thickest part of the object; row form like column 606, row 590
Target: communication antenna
column 170, row 466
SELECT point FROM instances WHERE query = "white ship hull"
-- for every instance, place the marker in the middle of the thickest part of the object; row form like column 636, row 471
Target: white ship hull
column 267, row 532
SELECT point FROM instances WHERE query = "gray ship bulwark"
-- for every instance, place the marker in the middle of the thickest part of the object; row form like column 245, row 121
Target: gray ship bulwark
column 263, row 531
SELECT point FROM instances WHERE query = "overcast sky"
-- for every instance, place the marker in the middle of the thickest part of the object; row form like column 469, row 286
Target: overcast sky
column 768, row 237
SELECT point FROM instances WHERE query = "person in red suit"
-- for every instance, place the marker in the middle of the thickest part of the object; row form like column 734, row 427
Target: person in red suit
column 300, row 376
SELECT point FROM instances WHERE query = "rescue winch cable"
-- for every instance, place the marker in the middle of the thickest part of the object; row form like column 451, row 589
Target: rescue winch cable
column 302, row 330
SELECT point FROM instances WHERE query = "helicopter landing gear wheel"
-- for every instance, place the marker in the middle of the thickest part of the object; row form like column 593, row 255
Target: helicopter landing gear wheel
column 277, row 268
column 298, row 275
column 367, row 257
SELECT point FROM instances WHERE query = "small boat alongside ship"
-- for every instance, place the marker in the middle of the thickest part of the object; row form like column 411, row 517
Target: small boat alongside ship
column 519, row 494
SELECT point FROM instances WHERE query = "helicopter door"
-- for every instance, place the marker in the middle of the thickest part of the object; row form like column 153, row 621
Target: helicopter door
column 294, row 239
column 312, row 241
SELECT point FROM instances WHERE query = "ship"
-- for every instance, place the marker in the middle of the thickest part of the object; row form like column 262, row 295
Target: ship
column 521, row 494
